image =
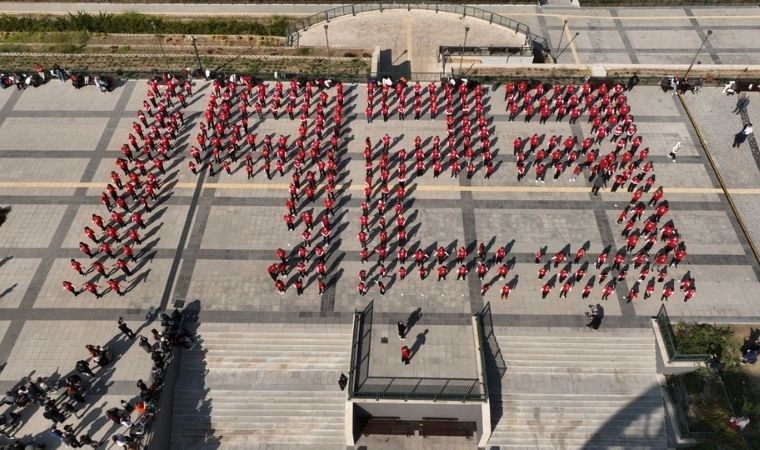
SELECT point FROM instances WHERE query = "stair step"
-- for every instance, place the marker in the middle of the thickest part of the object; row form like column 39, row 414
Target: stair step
column 568, row 436
column 579, row 360
column 266, row 422
column 562, row 416
column 286, row 392
column 262, row 366
column 283, row 335
column 510, row 425
column 588, row 445
column 577, row 400
column 233, row 430
column 560, row 333
column 273, row 346
column 557, row 369
column 576, row 352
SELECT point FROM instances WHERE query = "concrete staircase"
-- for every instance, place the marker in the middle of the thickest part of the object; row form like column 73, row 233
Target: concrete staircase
column 262, row 386
column 568, row 388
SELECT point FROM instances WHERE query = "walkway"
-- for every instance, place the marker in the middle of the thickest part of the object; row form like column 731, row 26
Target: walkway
column 623, row 35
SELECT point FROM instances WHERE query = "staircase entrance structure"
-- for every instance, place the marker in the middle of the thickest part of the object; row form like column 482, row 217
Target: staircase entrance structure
column 424, row 406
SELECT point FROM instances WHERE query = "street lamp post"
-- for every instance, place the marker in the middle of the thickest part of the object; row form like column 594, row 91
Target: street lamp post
column 564, row 27
column 160, row 44
column 709, row 32
column 327, row 41
column 464, row 44
column 197, row 56
column 566, row 46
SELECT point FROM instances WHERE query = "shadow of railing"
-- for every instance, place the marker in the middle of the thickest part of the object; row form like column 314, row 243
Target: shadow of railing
column 495, row 366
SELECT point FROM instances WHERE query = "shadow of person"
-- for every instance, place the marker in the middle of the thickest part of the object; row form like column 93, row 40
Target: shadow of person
column 414, row 317
column 8, row 290
column 418, row 343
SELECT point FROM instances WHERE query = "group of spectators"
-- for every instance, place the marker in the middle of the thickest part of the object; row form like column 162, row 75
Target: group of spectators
column 62, row 397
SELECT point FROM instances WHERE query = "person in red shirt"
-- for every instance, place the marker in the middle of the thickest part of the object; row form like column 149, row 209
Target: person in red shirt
column 608, row 290
column 679, row 256
column 441, row 254
column 93, row 289
column 68, row 286
column 406, row 355
column 505, row 290
column 114, row 285
column 587, row 289
column 545, row 290
column 649, row 289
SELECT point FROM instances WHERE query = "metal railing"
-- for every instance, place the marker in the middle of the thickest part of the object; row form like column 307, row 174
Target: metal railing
column 360, row 346
column 422, row 388
column 362, row 385
column 482, row 342
column 668, row 337
column 694, row 430
column 294, row 29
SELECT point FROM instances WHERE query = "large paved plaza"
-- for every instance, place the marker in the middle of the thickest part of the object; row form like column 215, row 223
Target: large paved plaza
column 209, row 241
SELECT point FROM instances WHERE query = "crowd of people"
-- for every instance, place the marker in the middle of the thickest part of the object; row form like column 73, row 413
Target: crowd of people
column 136, row 184
column 226, row 142
column 60, row 398
column 312, row 159
column 626, row 166
column 628, row 163
column 40, row 76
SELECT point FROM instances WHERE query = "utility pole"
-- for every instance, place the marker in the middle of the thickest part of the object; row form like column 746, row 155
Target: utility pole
column 329, row 61
column 197, row 56
column 564, row 27
column 566, row 46
column 709, row 32
column 464, row 44
column 160, row 44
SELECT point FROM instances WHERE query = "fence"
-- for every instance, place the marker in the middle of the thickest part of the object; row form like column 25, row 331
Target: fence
column 421, row 388
column 295, row 28
column 362, row 385
column 668, row 337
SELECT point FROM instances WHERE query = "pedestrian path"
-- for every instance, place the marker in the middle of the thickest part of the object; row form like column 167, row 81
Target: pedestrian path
column 261, row 386
column 577, row 388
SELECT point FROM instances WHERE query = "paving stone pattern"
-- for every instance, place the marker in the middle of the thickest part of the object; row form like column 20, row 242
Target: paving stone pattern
column 216, row 236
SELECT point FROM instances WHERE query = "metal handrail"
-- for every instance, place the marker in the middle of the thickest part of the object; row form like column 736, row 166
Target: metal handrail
column 422, row 388
column 481, row 350
column 666, row 330
column 354, row 345
column 292, row 33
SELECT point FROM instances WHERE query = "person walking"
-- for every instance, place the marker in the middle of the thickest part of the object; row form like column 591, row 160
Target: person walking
column 674, row 151
column 401, row 330
column 125, row 329
column 742, row 136
column 406, row 355
column 598, row 183
column 83, row 366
